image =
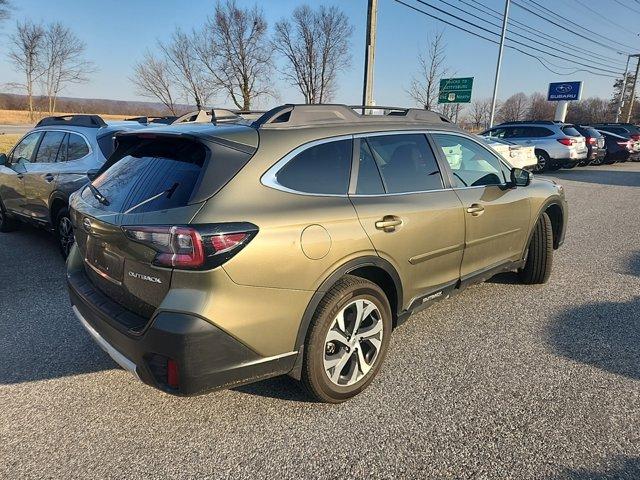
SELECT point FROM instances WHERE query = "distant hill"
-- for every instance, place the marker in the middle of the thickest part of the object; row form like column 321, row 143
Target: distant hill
column 11, row 101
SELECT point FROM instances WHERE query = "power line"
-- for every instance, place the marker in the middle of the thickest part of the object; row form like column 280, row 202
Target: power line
column 497, row 15
column 538, row 42
column 495, row 42
column 518, row 42
column 602, row 17
column 571, row 22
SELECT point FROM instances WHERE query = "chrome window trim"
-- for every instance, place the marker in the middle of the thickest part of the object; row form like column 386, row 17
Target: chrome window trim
column 270, row 180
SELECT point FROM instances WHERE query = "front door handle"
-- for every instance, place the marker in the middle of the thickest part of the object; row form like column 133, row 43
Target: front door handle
column 476, row 209
column 388, row 223
column 49, row 177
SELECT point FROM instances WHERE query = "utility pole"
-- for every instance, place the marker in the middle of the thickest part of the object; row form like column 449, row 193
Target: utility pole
column 495, row 83
column 624, row 86
column 369, row 54
column 633, row 90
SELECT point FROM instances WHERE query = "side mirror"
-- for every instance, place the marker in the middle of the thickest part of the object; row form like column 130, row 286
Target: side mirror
column 520, row 177
column 3, row 159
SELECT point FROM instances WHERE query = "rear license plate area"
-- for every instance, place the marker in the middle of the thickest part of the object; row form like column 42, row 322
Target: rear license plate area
column 103, row 261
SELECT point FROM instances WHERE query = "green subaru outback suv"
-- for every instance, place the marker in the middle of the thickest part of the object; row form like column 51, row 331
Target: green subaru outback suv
column 208, row 256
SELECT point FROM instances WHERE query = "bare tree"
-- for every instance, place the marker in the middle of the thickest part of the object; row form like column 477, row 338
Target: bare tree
column 234, row 48
column 451, row 110
column 184, row 65
column 5, row 10
column 425, row 84
column 63, row 61
column 513, row 108
column 480, row 112
column 26, row 54
column 154, row 80
column 315, row 44
column 540, row 108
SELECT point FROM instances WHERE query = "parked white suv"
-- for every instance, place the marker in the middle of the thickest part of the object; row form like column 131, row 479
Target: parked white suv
column 556, row 144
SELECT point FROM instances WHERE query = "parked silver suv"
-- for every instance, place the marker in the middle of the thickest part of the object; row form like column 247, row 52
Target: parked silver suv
column 49, row 163
column 556, row 144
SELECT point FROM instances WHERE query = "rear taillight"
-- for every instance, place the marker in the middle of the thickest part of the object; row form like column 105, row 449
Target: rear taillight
column 197, row 247
column 628, row 145
column 635, row 136
column 567, row 141
column 591, row 140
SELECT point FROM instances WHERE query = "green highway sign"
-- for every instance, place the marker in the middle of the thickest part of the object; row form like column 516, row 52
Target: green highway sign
column 455, row 90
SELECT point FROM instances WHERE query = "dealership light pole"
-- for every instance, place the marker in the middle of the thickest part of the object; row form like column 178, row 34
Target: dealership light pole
column 495, row 83
column 369, row 54
column 632, row 100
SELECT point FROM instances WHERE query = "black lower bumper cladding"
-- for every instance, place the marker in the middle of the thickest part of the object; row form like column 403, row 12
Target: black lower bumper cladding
column 207, row 357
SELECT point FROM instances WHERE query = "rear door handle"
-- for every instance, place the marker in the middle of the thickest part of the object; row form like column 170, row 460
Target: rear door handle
column 49, row 177
column 475, row 210
column 388, row 223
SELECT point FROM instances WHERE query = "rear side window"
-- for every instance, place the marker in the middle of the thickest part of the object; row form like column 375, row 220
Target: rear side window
column 153, row 175
column 570, row 131
column 405, row 162
column 321, row 169
column 76, row 147
column 49, row 147
column 106, row 144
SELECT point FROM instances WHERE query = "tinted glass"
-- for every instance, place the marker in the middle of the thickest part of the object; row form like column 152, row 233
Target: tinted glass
column 165, row 169
column 322, row 169
column 617, row 131
column 541, row 132
column 570, row 131
column 49, row 147
column 472, row 165
column 106, row 144
column 23, row 152
column 77, row 147
column 369, row 180
column 406, row 163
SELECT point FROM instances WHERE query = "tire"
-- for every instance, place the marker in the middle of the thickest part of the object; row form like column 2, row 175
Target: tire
column 543, row 161
column 64, row 232
column 327, row 348
column 570, row 165
column 539, row 258
column 6, row 224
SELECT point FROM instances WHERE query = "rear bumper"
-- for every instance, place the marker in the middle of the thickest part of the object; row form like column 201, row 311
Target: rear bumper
column 207, row 357
column 597, row 153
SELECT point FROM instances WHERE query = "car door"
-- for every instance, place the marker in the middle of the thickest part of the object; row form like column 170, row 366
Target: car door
column 40, row 175
column 408, row 210
column 496, row 216
column 12, row 191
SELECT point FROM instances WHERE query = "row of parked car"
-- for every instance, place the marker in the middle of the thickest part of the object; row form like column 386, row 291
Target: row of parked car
column 548, row 145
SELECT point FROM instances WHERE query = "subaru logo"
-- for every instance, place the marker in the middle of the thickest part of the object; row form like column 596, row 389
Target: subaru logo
column 86, row 224
column 564, row 88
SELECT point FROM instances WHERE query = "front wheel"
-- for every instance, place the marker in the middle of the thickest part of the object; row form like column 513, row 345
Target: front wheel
column 539, row 257
column 348, row 340
column 64, row 232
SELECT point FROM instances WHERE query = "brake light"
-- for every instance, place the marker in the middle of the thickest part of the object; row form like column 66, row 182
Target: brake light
column 197, row 247
column 591, row 140
column 628, row 145
column 635, row 136
column 567, row 141
column 173, row 380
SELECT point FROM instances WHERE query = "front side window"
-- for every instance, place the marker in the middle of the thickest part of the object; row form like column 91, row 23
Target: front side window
column 405, row 162
column 471, row 164
column 23, row 152
column 323, row 169
column 49, row 147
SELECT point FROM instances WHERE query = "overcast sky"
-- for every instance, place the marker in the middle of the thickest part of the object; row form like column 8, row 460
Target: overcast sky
column 118, row 32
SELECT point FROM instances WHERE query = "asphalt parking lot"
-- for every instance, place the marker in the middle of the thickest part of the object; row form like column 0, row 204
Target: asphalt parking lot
column 503, row 381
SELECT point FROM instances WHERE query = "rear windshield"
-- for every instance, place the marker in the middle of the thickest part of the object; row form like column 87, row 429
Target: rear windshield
column 591, row 132
column 106, row 144
column 570, row 131
column 153, row 175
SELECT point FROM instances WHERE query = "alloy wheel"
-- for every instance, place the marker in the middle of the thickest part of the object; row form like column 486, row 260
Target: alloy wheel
column 65, row 235
column 541, row 164
column 353, row 342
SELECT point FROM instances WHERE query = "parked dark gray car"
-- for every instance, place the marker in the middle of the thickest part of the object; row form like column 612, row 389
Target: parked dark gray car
column 49, row 163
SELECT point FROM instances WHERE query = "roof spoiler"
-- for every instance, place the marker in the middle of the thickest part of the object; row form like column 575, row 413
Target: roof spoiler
column 90, row 121
column 165, row 120
column 305, row 115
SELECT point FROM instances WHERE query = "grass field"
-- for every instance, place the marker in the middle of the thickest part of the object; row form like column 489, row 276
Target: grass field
column 21, row 117
column 8, row 141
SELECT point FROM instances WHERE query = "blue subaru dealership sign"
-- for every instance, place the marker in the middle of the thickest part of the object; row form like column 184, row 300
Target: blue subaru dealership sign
column 564, row 91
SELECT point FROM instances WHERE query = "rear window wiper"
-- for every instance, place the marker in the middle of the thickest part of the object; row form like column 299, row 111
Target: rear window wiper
column 98, row 196
column 168, row 192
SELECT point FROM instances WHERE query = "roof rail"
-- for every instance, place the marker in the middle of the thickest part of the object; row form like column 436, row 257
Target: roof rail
column 306, row 115
column 538, row 122
column 91, row 121
column 215, row 115
column 166, row 119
